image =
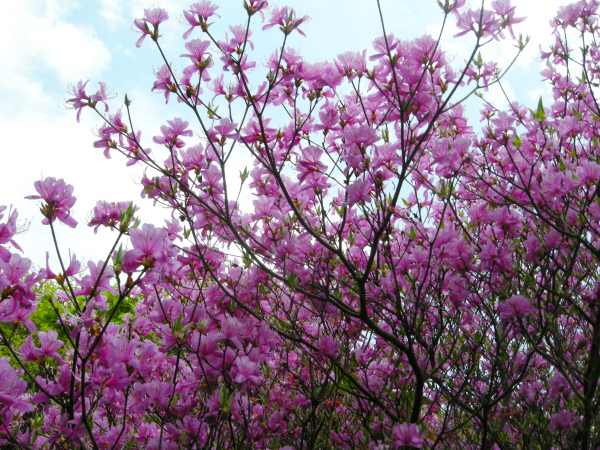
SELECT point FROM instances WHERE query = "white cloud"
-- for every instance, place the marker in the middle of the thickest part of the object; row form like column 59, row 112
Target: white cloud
column 74, row 51
column 40, row 39
column 112, row 12
column 44, row 52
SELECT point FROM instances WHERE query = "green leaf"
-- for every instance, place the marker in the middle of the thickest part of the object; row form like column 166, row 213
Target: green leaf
column 247, row 261
column 118, row 260
column 292, row 281
column 517, row 141
column 385, row 134
column 225, row 401
column 177, row 325
column 413, row 233
column 478, row 61
column 540, row 114
column 443, row 190
column 345, row 381
column 244, row 174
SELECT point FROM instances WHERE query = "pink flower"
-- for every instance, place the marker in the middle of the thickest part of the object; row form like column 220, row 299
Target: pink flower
column 254, row 6
column 16, row 281
column 561, row 420
column 533, row 248
column 329, row 118
column 7, row 231
column 136, row 153
column 115, row 376
column 239, row 36
column 359, row 192
column 153, row 17
column 171, row 134
column 98, row 280
column 558, row 384
column 588, row 173
column 557, row 184
column 361, row 136
column 72, row 269
column 327, row 346
column 59, row 200
column 407, row 434
column 197, row 54
column 232, row 330
column 49, row 344
column 205, row 345
column 172, row 228
column 247, row 371
column 11, row 391
column 106, row 141
column 53, row 388
column 448, row 156
column 321, row 75
column 496, row 257
column 198, row 15
column 255, row 131
column 11, row 311
column 27, row 349
column 569, row 15
column 516, row 306
column 149, row 245
column 351, row 64
column 483, row 24
column 193, row 157
column 310, row 162
column 265, row 208
column 80, row 99
column 158, row 392
column 509, row 221
column 381, row 44
column 212, row 184
column 164, row 82
column 286, row 19
column 99, row 96
column 107, row 214
column 504, row 9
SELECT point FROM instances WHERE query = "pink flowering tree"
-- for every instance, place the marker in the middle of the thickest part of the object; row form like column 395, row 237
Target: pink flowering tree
column 400, row 279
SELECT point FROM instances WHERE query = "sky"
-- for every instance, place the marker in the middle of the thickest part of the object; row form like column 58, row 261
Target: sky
column 48, row 45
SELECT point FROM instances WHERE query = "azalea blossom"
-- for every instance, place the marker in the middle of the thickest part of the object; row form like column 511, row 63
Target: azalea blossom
column 407, row 434
column 198, row 15
column 515, row 307
column 151, row 17
column 327, row 346
column 247, row 371
column 58, row 198
column 12, row 389
column 561, row 420
column 49, row 344
column 286, row 19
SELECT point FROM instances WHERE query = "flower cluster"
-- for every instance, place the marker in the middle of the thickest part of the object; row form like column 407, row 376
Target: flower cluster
column 58, row 200
column 380, row 275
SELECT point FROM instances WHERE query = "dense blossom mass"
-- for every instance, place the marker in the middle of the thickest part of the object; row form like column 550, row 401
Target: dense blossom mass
column 383, row 274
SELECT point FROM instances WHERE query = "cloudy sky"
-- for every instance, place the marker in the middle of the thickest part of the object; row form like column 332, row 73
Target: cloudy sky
column 50, row 44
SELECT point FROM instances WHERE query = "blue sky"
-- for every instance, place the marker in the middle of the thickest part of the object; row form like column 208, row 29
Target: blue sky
column 50, row 44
